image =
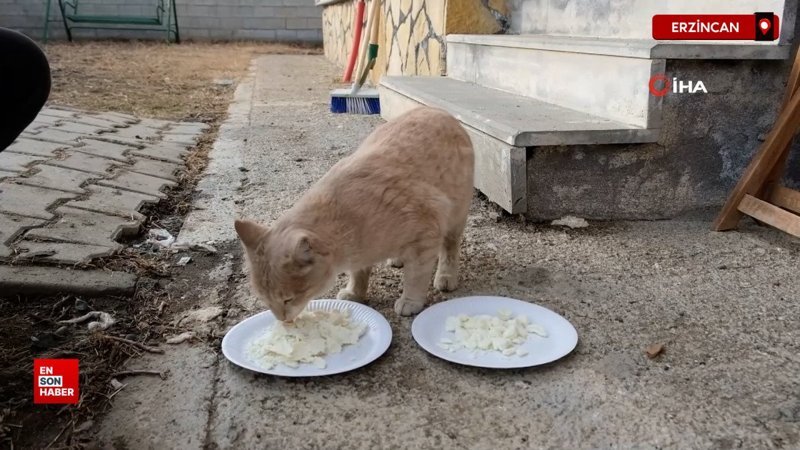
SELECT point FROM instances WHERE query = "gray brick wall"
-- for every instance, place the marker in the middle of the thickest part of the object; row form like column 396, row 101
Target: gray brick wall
column 271, row 20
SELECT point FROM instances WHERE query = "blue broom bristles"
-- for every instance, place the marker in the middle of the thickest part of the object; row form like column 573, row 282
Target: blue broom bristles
column 355, row 105
column 364, row 102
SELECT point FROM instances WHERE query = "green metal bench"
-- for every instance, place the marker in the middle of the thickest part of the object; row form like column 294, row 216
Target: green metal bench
column 165, row 18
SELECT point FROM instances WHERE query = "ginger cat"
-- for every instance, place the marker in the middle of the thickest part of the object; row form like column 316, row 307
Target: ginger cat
column 403, row 195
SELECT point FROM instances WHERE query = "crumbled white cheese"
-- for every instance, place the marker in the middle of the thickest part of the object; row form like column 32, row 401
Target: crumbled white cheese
column 502, row 333
column 312, row 336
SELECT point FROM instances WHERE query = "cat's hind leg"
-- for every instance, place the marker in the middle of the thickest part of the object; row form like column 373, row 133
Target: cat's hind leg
column 446, row 278
column 357, row 284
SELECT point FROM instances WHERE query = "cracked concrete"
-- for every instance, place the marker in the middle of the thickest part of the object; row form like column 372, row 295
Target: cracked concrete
column 724, row 304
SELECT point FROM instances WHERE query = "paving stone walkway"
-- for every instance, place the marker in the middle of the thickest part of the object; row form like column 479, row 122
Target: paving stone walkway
column 75, row 182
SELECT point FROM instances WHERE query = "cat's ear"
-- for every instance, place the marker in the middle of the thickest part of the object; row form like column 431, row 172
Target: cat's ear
column 303, row 253
column 306, row 250
column 249, row 232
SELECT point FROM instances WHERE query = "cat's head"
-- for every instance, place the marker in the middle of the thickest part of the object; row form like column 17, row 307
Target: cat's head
column 287, row 268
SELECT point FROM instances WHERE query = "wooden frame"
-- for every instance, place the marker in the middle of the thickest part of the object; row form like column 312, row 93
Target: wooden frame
column 759, row 193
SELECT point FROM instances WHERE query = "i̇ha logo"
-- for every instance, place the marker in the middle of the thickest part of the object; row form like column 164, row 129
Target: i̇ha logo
column 660, row 85
column 55, row 381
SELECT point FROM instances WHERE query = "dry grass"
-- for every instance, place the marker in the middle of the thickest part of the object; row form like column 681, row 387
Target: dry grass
column 173, row 82
column 153, row 79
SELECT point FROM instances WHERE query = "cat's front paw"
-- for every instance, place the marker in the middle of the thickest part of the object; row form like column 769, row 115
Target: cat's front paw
column 445, row 282
column 347, row 294
column 407, row 307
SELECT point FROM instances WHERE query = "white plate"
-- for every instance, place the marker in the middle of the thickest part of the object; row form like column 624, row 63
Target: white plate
column 372, row 344
column 428, row 330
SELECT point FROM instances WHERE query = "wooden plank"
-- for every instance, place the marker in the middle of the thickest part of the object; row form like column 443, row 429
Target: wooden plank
column 771, row 215
column 794, row 82
column 785, row 198
column 792, row 87
column 761, row 166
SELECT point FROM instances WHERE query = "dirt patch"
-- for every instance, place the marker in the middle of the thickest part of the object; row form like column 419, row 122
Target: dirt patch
column 177, row 82
column 30, row 329
column 191, row 81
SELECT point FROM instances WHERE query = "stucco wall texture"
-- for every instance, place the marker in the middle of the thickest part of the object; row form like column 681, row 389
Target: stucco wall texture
column 707, row 141
column 412, row 32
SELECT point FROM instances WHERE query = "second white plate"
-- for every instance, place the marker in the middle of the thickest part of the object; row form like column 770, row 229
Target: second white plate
column 428, row 330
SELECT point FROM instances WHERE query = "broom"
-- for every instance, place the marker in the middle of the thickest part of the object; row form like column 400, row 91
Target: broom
column 348, row 72
column 355, row 100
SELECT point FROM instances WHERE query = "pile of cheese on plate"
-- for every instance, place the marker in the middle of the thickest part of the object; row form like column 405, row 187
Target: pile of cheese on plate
column 312, row 336
column 502, row 333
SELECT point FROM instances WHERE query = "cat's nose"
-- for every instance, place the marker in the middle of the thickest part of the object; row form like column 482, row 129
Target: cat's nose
column 290, row 316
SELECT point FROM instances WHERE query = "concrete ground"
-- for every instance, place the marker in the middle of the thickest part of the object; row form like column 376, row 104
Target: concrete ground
column 724, row 304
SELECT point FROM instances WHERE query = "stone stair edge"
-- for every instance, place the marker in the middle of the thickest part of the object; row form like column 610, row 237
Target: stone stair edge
column 629, row 47
column 510, row 135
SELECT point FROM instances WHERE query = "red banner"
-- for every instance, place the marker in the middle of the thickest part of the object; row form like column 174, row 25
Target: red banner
column 758, row 27
column 55, row 381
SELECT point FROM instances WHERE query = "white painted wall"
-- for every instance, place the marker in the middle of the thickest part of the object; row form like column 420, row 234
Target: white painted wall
column 630, row 19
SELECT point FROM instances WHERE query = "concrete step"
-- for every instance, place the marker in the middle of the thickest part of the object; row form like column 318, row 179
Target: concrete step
column 631, row 18
column 502, row 126
column 612, row 84
column 514, row 119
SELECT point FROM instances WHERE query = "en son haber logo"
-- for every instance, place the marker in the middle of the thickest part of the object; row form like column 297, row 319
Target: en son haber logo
column 55, row 381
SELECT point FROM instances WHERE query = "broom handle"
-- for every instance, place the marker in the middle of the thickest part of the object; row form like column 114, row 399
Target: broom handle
column 373, row 38
column 362, row 50
column 354, row 51
column 373, row 56
column 371, row 30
